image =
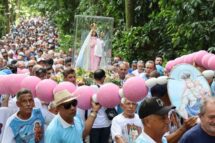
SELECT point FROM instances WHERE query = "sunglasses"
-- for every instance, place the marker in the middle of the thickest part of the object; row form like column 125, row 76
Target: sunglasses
column 30, row 66
column 69, row 104
column 48, row 73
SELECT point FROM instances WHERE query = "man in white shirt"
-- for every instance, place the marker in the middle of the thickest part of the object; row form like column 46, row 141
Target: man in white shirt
column 140, row 68
column 127, row 126
column 100, row 131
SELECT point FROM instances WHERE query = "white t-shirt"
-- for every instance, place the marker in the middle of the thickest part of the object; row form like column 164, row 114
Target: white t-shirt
column 5, row 113
column 128, row 128
column 101, row 120
column 136, row 73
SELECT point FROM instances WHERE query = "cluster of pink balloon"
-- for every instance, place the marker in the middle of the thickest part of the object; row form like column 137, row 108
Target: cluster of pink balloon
column 11, row 84
column 134, row 89
column 109, row 95
column 201, row 58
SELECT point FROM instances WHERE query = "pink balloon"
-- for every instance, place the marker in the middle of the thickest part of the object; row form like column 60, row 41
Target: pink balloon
column 184, row 59
column 30, row 83
column 9, row 83
column 189, row 59
column 205, row 60
column 22, row 71
column 211, row 63
column 135, row 89
column 170, row 65
column 3, row 86
column 65, row 85
column 198, row 57
column 108, row 95
column 44, row 90
column 15, row 82
column 179, row 60
column 84, row 94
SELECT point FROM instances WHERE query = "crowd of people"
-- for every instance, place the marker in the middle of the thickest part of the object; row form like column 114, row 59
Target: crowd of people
column 32, row 48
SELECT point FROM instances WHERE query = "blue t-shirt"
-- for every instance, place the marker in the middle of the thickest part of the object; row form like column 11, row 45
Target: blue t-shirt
column 160, row 69
column 213, row 88
column 31, row 130
column 197, row 135
column 56, row 133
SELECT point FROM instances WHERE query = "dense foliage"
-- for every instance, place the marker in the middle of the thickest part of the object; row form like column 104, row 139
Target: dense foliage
column 173, row 28
column 168, row 28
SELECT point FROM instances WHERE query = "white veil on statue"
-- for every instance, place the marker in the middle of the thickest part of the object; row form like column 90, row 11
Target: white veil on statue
column 83, row 60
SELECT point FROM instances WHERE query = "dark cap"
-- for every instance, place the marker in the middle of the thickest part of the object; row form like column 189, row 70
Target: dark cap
column 153, row 105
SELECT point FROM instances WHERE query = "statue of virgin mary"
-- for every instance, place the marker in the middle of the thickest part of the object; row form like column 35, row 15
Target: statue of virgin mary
column 91, row 51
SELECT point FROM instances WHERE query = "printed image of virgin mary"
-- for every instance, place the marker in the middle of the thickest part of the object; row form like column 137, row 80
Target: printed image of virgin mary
column 38, row 132
column 191, row 96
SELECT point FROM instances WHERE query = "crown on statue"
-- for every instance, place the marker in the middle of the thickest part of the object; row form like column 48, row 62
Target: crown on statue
column 93, row 26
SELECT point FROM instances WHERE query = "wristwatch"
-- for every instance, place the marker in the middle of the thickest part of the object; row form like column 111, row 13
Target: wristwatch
column 93, row 113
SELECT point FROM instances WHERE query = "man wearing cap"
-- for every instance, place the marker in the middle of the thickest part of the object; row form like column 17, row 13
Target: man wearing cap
column 67, row 126
column 154, row 116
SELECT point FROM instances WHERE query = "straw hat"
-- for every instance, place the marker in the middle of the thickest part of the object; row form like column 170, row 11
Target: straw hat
column 63, row 96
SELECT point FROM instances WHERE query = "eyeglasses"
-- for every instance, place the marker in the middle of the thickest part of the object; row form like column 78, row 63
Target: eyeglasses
column 69, row 104
column 30, row 66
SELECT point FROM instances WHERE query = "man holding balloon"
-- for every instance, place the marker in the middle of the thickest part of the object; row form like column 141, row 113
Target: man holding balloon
column 68, row 126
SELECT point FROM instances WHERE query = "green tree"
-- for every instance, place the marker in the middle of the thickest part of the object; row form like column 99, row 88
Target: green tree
column 129, row 13
column 172, row 28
